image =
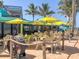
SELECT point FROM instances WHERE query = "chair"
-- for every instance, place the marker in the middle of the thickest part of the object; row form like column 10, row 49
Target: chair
column 5, row 40
column 57, row 36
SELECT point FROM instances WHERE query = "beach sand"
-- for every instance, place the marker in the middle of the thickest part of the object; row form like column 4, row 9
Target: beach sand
column 71, row 52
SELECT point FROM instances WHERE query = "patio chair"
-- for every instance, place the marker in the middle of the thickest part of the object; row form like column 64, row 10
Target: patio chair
column 57, row 36
column 41, row 37
column 35, row 36
column 28, row 38
column 5, row 41
column 66, row 35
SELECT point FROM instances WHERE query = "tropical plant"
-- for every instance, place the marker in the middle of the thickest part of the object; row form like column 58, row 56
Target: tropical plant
column 66, row 8
column 44, row 10
column 32, row 10
column 69, row 8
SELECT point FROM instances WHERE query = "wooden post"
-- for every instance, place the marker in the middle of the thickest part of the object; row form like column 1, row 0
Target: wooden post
column 62, row 44
column 52, row 48
column 21, row 29
column 11, row 50
column 63, row 41
column 44, row 50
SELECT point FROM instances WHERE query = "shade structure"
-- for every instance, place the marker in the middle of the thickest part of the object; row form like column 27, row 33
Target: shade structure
column 48, row 24
column 4, row 19
column 3, row 12
column 39, row 23
column 17, row 21
column 48, row 19
column 59, row 23
column 36, row 23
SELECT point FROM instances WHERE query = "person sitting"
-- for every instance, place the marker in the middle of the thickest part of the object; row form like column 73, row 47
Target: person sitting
column 22, row 48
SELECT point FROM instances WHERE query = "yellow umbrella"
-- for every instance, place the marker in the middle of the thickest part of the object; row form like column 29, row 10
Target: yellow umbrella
column 48, row 24
column 18, row 21
column 48, row 19
column 37, row 23
column 40, row 23
column 59, row 23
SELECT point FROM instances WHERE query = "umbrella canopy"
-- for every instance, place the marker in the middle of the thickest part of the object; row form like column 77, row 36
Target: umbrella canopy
column 59, row 23
column 48, row 24
column 17, row 21
column 4, row 19
column 39, row 23
column 48, row 19
column 36, row 23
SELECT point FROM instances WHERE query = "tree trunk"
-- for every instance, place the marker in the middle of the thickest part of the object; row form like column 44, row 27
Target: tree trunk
column 33, row 17
column 73, row 14
column 65, row 1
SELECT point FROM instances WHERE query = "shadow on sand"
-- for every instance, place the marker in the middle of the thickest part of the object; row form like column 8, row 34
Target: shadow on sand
column 29, row 56
column 70, row 50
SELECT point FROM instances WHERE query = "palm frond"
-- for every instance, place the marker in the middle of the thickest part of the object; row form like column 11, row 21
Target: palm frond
column 44, row 10
column 32, row 10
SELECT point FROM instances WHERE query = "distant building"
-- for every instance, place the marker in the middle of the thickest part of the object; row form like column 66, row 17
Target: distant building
column 9, row 11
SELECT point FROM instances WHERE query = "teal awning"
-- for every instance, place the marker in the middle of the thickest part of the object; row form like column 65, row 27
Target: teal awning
column 4, row 19
column 4, row 12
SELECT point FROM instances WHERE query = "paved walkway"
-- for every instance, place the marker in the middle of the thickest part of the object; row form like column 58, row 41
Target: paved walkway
column 71, row 52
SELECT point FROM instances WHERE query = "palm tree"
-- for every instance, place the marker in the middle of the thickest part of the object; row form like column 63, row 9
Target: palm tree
column 74, row 11
column 66, row 8
column 32, row 10
column 69, row 8
column 44, row 10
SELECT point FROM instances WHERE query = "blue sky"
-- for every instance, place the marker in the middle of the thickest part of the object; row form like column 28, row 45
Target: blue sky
column 52, row 3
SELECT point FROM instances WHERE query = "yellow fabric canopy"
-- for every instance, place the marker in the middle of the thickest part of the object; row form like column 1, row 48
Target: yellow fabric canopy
column 37, row 23
column 48, row 19
column 40, row 23
column 17, row 21
column 59, row 23
column 48, row 24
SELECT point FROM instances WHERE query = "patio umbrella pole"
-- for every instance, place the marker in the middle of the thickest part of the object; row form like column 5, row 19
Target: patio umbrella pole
column 11, row 29
column 2, row 29
column 21, row 28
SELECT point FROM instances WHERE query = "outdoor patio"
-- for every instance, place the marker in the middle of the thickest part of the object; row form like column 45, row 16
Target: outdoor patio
column 71, row 52
column 37, row 30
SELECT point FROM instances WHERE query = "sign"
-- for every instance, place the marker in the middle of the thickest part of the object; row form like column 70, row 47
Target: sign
column 11, row 11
